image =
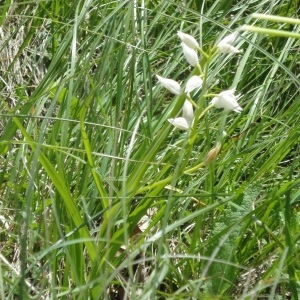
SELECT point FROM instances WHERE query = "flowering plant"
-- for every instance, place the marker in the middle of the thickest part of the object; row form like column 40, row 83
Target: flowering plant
column 192, row 110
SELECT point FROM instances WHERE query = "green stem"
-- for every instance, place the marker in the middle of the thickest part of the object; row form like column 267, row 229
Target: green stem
column 154, row 185
column 193, row 169
column 274, row 32
column 276, row 18
column 198, row 67
column 191, row 100
column 202, row 52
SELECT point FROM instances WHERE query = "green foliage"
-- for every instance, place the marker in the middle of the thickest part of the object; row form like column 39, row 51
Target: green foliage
column 101, row 198
column 225, row 237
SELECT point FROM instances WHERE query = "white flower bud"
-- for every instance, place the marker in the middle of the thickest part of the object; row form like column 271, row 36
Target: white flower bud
column 188, row 40
column 190, row 55
column 170, row 84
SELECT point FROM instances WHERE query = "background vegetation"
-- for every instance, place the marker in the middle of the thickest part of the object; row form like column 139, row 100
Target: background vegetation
column 94, row 203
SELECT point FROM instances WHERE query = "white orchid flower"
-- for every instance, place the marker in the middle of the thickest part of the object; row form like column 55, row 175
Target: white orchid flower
column 195, row 82
column 229, row 39
column 180, row 123
column 189, row 40
column 190, row 55
column 227, row 100
column 225, row 45
column 170, row 84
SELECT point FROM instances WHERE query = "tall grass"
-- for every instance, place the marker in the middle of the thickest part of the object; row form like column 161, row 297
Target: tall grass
column 96, row 198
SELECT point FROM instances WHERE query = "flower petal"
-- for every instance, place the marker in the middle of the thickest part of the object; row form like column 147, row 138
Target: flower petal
column 226, row 45
column 227, row 100
column 238, row 109
column 189, row 40
column 180, row 123
column 170, row 84
column 195, row 82
column 190, row 55
column 228, row 92
column 226, row 48
column 229, row 39
column 188, row 112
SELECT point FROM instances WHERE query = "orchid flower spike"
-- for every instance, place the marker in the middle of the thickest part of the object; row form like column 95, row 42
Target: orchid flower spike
column 188, row 40
column 170, row 84
column 190, row 55
column 227, row 100
column 225, row 45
